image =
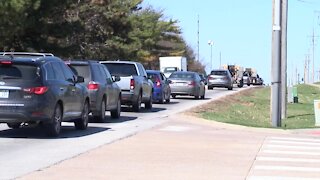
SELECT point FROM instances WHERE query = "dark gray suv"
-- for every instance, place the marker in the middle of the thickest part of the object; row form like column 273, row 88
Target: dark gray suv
column 41, row 90
column 104, row 93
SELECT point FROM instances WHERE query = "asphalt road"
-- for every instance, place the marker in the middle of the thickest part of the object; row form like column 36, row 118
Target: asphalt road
column 27, row 149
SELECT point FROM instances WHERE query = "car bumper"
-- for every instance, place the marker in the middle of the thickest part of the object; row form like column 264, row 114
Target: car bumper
column 12, row 114
column 183, row 91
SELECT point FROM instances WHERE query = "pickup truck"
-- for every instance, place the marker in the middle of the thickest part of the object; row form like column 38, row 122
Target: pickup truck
column 135, row 86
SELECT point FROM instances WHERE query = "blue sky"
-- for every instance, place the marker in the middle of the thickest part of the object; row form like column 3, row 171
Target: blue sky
column 241, row 31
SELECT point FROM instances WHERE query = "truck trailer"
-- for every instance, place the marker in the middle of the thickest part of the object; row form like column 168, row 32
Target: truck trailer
column 171, row 64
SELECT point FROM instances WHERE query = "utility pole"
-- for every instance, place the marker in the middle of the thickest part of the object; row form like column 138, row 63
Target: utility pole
column 198, row 38
column 276, row 65
column 284, row 95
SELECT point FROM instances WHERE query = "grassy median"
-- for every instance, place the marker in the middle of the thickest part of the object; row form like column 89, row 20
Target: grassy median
column 252, row 108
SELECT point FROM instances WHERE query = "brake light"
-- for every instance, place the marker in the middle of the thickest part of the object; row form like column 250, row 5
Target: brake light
column 36, row 90
column 192, row 83
column 132, row 84
column 158, row 83
column 6, row 62
column 93, row 85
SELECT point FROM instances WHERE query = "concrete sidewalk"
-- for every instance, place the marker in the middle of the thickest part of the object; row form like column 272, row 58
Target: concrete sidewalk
column 184, row 148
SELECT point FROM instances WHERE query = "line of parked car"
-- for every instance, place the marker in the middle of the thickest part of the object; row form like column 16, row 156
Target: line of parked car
column 42, row 89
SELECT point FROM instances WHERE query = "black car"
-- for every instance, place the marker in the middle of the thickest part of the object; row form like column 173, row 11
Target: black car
column 104, row 93
column 41, row 90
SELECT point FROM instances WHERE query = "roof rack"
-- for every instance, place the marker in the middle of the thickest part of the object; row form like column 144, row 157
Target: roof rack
column 25, row 54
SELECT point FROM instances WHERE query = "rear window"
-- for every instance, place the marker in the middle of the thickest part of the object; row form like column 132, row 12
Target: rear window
column 153, row 77
column 19, row 72
column 170, row 69
column 219, row 73
column 182, row 76
column 121, row 69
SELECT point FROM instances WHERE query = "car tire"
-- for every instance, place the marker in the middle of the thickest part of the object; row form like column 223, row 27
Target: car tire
column 230, row 88
column 54, row 127
column 204, row 93
column 168, row 99
column 148, row 104
column 115, row 114
column 102, row 112
column 137, row 104
column 14, row 125
column 173, row 96
column 162, row 99
column 82, row 123
column 210, row 87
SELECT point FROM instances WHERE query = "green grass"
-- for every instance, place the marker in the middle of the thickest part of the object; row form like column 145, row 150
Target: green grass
column 252, row 108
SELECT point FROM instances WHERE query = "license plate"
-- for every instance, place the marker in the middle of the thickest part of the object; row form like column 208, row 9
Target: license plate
column 4, row 94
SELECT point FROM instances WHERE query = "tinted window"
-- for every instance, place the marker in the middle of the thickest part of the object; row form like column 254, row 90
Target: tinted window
column 98, row 75
column 122, row 69
column 153, row 77
column 81, row 70
column 67, row 72
column 107, row 74
column 182, row 75
column 19, row 71
column 49, row 71
column 219, row 73
column 57, row 71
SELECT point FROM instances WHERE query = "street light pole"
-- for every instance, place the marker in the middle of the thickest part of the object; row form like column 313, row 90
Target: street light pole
column 210, row 42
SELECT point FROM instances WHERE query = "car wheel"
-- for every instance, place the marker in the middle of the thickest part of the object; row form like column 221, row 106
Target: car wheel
column 168, row 99
column 162, row 99
column 204, row 93
column 115, row 114
column 148, row 104
column 173, row 96
column 82, row 123
column 210, row 87
column 137, row 104
column 230, row 88
column 54, row 127
column 102, row 113
column 14, row 125
column 196, row 97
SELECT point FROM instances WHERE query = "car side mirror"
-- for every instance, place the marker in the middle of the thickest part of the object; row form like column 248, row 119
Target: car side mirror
column 80, row 79
column 116, row 78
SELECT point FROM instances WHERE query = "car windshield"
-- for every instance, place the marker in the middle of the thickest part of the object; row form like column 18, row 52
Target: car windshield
column 23, row 72
column 121, row 69
column 219, row 73
column 170, row 69
column 181, row 76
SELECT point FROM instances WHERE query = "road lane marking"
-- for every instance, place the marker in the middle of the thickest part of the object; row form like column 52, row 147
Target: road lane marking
column 279, row 177
column 292, row 147
column 175, row 128
column 295, row 139
column 287, row 168
column 293, row 142
column 291, row 152
column 280, row 159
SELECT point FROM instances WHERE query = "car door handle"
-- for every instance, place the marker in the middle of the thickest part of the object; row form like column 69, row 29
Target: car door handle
column 61, row 89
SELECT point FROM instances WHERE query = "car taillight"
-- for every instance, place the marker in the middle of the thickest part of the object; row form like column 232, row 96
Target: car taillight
column 158, row 83
column 6, row 62
column 210, row 78
column 93, row 85
column 36, row 90
column 132, row 84
column 192, row 83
